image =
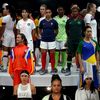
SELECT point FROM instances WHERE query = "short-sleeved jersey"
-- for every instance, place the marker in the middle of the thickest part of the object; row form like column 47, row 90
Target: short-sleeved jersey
column 26, row 28
column 74, row 28
column 89, row 19
column 87, row 50
column 61, row 36
column 9, row 24
column 48, row 28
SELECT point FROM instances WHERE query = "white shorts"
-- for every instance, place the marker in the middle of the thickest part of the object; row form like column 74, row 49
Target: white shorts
column 30, row 45
column 9, row 40
column 47, row 45
column 60, row 45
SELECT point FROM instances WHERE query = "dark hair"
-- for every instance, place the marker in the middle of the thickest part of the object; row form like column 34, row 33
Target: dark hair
column 12, row 12
column 24, row 71
column 86, row 27
column 56, row 77
column 92, row 87
column 89, row 6
column 26, row 9
column 23, row 37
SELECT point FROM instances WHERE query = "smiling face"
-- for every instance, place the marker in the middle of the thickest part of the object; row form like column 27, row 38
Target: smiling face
column 56, row 86
column 19, row 39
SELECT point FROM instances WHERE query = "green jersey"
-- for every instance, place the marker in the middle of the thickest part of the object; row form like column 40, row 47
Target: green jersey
column 61, row 36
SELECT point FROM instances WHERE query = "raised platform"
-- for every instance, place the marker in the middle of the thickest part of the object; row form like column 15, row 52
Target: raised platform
column 45, row 80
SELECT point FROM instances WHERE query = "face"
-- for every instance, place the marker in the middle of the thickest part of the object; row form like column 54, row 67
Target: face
column 56, row 86
column 5, row 11
column 88, row 33
column 19, row 39
column 48, row 13
column 75, row 12
column 88, row 81
column 24, row 77
column 42, row 10
column 94, row 8
column 60, row 11
column 25, row 14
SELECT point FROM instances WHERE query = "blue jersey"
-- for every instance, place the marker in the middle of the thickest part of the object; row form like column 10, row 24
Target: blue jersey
column 48, row 27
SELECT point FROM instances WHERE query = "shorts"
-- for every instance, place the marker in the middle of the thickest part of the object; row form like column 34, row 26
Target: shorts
column 30, row 45
column 60, row 45
column 9, row 40
column 48, row 45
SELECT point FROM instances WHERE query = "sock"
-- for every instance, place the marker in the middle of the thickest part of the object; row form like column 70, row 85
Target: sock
column 56, row 58
column 52, row 59
column 37, row 55
column 47, row 60
column 43, row 59
column 5, row 59
column 64, row 58
column 69, row 61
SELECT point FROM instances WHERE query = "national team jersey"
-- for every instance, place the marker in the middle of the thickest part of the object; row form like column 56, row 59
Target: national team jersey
column 89, row 19
column 26, row 28
column 9, row 24
column 87, row 50
column 74, row 28
column 48, row 28
column 61, row 36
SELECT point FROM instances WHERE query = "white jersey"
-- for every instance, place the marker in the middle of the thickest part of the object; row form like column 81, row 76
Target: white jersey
column 26, row 28
column 24, row 91
column 89, row 19
column 41, row 19
column 82, row 94
column 9, row 24
column 47, row 97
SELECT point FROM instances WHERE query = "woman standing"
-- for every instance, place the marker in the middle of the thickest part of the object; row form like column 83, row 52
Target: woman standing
column 27, row 27
column 20, row 58
column 7, row 33
column 88, row 55
column 88, row 91
column 25, row 90
column 48, row 30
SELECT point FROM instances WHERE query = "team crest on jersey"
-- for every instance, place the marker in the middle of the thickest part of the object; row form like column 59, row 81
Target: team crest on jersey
column 51, row 23
column 28, row 24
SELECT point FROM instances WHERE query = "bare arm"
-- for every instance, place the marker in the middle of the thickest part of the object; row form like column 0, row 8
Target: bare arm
column 33, row 89
column 81, row 64
column 15, row 90
column 2, row 29
column 98, row 60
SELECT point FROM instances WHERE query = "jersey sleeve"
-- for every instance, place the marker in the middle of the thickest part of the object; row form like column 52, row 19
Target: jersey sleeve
column 87, row 19
column 5, row 19
column 17, row 25
column 33, row 25
column 10, row 65
column 79, row 49
column 56, row 24
column 77, row 95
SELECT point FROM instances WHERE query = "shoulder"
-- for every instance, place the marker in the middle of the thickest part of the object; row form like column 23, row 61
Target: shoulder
column 15, row 89
column 46, row 97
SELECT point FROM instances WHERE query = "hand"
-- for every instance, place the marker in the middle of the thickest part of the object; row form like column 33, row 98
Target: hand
column 12, row 76
column 82, row 70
